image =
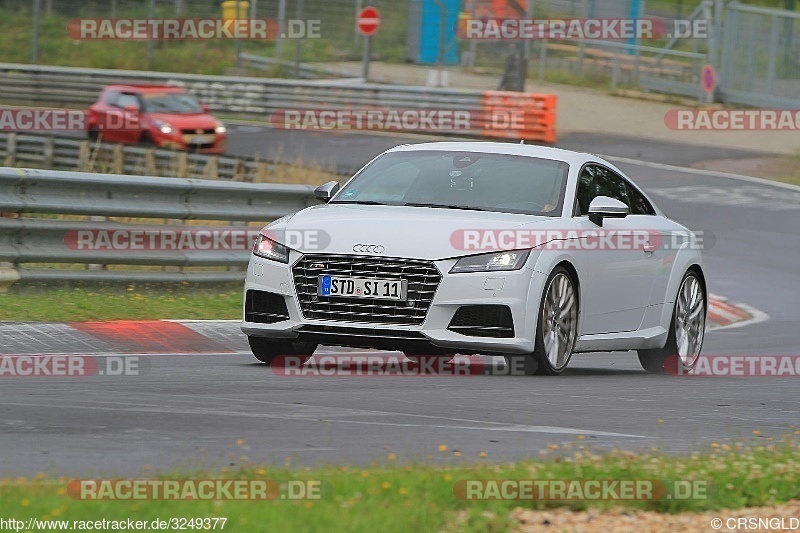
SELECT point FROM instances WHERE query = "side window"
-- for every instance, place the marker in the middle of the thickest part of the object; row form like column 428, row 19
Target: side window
column 639, row 204
column 613, row 186
column 597, row 181
column 124, row 100
column 585, row 191
column 110, row 97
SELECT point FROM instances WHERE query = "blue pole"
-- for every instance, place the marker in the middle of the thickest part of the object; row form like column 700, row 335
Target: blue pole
column 635, row 13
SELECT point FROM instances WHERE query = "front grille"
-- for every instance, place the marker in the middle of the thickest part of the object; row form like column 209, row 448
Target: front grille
column 422, row 276
column 264, row 307
column 207, row 131
column 483, row 321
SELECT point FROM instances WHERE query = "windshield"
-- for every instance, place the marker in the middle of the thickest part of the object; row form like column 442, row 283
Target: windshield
column 461, row 180
column 171, row 103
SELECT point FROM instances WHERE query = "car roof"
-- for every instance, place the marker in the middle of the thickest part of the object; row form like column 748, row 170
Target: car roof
column 145, row 88
column 530, row 150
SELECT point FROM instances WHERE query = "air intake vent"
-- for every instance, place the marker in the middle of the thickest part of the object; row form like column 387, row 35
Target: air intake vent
column 483, row 321
column 264, row 307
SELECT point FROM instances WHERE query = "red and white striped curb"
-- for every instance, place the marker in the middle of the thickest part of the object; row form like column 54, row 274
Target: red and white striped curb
column 723, row 314
column 208, row 336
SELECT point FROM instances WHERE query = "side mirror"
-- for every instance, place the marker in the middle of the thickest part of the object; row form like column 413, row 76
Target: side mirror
column 605, row 207
column 131, row 108
column 327, row 191
column 205, row 107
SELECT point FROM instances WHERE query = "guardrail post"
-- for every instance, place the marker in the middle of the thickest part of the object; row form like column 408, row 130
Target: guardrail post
column 211, row 170
column 118, row 160
column 240, row 171
column 95, row 266
column 8, row 276
column 84, row 154
column 542, row 60
column 49, row 151
column 11, row 150
column 182, row 165
column 262, row 171
column 150, row 162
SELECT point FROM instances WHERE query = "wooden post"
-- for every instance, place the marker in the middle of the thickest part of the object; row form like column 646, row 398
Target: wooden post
column 118, row 160
column 150, row 162
column 11, row 151
column 211, row 170
column 49, row 151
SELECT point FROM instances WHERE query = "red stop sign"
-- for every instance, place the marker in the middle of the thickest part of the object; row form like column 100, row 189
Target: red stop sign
column 368, row 20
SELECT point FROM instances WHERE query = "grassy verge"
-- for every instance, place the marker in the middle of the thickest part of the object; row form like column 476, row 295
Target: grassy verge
column 396, row 497
column 133, row 302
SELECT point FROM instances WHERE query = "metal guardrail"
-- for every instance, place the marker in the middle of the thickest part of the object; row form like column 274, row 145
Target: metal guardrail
column 24, row 239
column 74, row 154
column 301, row 70
column 79, row 87
column 254, row 98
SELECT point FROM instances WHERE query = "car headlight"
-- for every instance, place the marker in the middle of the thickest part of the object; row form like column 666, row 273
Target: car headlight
column 220, row 129
column 164, row 127
column 513, row 260
column 269, row 249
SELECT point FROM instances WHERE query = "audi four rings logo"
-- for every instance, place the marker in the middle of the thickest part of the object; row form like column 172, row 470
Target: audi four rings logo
column 368, row 248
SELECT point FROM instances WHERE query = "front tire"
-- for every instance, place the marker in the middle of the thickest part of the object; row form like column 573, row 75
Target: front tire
column 557, row 328
column 268, row 350
column 686, row 331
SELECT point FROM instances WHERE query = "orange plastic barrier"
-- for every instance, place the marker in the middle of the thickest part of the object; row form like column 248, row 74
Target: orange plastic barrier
column 523, row 116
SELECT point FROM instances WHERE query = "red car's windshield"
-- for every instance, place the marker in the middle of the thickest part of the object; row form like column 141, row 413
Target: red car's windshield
column 171, row 103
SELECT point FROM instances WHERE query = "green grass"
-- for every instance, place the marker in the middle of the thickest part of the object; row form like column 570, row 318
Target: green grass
column 388, row 496
column 135, row 302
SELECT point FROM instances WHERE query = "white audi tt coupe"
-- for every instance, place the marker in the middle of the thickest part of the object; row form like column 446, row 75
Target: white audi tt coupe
column 438, row 249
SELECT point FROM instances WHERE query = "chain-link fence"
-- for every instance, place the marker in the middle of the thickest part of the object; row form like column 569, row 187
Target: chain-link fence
column 761, row 57
column 755, row 55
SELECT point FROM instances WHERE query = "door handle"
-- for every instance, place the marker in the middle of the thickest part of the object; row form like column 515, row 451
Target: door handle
column 649, row 248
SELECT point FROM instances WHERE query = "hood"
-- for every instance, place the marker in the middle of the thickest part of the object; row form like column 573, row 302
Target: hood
column 183, row 121
column 408, row 232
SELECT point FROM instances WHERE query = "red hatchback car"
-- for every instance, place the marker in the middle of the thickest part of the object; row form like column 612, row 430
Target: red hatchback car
column 156, row 115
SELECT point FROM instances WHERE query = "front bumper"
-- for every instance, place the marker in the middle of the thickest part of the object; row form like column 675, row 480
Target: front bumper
column 518, row 290
column 217, row 144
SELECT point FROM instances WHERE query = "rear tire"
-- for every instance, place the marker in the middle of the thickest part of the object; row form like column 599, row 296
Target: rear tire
column 267, row 350
column 686, row 331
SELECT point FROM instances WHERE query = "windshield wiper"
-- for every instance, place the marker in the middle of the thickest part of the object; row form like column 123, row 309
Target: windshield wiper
column 445, row 206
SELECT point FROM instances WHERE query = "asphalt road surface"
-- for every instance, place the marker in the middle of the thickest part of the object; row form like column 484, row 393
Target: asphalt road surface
column 190, row 410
